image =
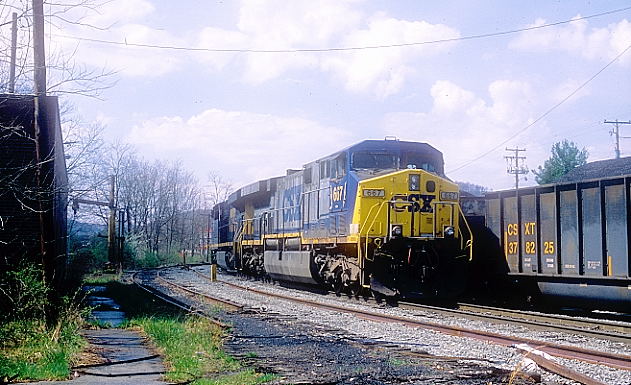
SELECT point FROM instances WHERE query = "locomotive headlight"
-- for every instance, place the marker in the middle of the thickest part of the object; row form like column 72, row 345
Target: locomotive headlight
column 396, row 230
column 414, row 182
column 449, row 232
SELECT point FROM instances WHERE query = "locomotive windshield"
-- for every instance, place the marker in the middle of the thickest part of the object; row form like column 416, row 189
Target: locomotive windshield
column 414, row 160
column 374, row 160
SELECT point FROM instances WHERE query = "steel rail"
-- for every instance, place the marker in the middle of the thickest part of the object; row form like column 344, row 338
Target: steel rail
column 177, row 303
column 605, row 328
column 230, row 304
column 593, row 328
column 549, row 322
column 613, row 360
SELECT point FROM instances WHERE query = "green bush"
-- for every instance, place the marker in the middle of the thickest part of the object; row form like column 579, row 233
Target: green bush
column 29, row 347
column 150, row 259
column 23, row 294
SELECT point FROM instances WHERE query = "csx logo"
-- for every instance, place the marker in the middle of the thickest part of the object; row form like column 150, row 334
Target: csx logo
column 529, row 228
column 419, row 203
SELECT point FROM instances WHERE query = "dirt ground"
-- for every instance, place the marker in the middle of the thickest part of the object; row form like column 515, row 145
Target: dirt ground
column 304, row 354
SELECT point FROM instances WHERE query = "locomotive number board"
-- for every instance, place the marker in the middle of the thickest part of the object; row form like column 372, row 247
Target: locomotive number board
column 448, row 196
column 374, row 192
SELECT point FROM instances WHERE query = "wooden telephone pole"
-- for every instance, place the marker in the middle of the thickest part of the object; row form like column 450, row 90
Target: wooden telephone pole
column 14, row 48
column 516, row 168
column 616, row 131
column 114, row 241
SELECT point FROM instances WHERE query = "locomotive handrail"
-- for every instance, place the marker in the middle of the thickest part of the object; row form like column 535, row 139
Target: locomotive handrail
column 469, row 242
column 371, row 224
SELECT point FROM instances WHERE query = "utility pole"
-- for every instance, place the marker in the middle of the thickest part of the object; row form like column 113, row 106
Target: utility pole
column 514, row 166
column 14, row 48
column 39, row 54
column 616, row 131
column 112, row 239
column 44, row 178
column 208, row 236
column 111, row 233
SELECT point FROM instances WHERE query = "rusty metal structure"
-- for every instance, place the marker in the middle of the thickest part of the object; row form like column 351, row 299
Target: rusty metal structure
column 33, row 185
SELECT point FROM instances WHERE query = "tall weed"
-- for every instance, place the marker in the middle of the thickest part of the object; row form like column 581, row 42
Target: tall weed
column 29, row 348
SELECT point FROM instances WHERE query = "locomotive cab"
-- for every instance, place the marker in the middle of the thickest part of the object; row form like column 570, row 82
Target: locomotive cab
column 412, row 234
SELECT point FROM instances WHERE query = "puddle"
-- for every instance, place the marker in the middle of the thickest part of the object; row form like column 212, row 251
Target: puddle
column 106, row 311
column 102, row 303
column 112, row 318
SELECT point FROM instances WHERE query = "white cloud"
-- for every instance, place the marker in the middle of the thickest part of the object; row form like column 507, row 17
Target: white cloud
column 244, row 146
column 464, row 125
column 321, row 24
column 222, row 39
column 117, row 12
column 385, row 70
column 578, row 39
column 261, row 25
column 124, row 21
column 280, row 24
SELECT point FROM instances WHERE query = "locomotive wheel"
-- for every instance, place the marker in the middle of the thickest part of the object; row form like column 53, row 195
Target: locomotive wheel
column 338, row 287
column 355, row 289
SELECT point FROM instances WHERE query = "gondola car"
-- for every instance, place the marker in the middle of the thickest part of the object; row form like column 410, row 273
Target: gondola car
column 379, row 215
column 568, row 241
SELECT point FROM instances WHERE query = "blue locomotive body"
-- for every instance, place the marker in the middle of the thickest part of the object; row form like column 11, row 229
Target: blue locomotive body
column 338, row 217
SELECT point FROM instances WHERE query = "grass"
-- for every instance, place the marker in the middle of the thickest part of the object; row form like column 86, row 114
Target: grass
column 100, row 279
column 191, row 346
column 192, row 349
column 29, row 350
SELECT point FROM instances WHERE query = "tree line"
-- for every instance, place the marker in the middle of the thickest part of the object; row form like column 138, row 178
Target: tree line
column 163, row 209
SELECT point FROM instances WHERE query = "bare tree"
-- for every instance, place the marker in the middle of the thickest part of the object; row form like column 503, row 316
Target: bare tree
column 65, row 75
column 218, row 189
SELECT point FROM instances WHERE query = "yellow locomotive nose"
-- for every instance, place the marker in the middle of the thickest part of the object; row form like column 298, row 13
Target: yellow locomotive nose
column 408, row 203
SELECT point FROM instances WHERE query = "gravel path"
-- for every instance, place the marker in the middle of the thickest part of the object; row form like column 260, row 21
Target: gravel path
column 412, row 338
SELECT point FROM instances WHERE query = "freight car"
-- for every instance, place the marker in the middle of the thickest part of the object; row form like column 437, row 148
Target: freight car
column 379, row 215
column 569, row 241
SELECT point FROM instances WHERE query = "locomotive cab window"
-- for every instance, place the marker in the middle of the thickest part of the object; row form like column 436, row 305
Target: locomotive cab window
column 306, row 175
column 337, row 166
column 374, row 160
column 324, row 169
column 414, row 161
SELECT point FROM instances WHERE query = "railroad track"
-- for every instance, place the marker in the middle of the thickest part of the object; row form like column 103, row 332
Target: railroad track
column 593, row 328
column 536, row 349
column 588, row 327
column 181, row 304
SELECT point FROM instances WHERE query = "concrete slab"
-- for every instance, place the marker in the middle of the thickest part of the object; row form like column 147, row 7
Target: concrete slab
column 118, row 345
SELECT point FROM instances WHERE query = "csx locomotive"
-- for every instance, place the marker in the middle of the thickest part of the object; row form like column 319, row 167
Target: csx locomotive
column 379, row 215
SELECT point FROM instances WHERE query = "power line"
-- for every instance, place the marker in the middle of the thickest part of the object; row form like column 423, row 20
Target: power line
column 333, row 49
column 546, row 113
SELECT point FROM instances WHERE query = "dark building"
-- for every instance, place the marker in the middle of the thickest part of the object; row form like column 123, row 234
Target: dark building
column 598, row 169
column 33, row 185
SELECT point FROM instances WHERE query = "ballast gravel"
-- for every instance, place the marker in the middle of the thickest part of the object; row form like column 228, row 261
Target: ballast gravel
column 414, row 339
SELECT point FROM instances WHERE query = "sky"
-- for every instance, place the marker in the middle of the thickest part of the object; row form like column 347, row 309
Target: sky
column 473, row 90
